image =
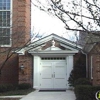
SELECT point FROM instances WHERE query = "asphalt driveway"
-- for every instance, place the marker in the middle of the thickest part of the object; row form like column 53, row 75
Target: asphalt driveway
column 36, row 95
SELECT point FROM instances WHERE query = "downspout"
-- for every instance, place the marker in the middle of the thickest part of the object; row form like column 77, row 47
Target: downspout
column 86, row 64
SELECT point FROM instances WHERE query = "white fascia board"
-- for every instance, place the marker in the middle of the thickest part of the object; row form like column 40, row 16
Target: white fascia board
column 54, row 52
column 35, row 48
column 51, row 37
column 41, row 41
column 67, row 47
column 65, row 41
column 20, row 52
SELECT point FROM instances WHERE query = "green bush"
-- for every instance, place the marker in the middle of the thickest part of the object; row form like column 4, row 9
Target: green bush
column 86, row 92
column 82, row 81
column 3, row 88
column 6, row 87
column 79, row 70
column 10, row 87
column 24, row 86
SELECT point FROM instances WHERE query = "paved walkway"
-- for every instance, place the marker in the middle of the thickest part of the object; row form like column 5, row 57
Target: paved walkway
column 68, row 95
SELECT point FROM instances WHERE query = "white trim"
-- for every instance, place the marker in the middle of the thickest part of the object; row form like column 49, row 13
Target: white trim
column 67, row 47
column 38, row 47
column 54, row 52
column 53, row 37
column 36, row 65
column 40, row 41
column 20, row 52
column 69, row 60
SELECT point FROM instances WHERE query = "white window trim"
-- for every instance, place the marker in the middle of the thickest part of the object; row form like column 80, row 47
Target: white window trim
column 11, row 8
column 91, row 67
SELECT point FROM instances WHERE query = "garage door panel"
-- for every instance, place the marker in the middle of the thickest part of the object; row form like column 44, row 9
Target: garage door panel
column 46, row 83
column 46, row 76
column 53, row 74
column 60, row 67
column 60, row 83
column 60, row 76
column 47, row 70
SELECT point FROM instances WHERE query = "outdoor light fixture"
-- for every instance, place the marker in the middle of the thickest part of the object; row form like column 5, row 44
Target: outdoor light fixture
column 22, row 67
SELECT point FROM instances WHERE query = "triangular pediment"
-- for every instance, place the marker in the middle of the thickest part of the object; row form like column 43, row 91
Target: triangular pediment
column 53, row 43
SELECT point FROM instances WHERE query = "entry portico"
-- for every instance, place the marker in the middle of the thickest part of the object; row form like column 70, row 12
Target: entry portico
column 52, row 62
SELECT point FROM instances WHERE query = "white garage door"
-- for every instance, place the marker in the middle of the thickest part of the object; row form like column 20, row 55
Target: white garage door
column 53, row 74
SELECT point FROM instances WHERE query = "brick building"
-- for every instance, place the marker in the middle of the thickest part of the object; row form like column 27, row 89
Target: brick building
column 45, row 63
column 91, row 48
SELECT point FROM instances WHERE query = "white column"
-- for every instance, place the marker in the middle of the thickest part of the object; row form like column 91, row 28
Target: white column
column 69, row 67
column 36, row 72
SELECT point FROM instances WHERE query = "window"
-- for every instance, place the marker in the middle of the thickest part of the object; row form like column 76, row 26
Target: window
column 5, row 22
column 53, row 58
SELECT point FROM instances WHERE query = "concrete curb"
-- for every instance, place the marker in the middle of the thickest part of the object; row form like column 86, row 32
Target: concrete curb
column 17, row 96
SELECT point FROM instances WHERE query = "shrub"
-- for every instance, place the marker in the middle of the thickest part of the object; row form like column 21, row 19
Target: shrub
column 86, row 92
column 79, row 70
column 6, row 87
column 24, row 86
column 3, row 88
column 82, row 81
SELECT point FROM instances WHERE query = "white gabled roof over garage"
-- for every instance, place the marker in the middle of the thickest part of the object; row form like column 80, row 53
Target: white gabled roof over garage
column 70, row 47
column 35, row 47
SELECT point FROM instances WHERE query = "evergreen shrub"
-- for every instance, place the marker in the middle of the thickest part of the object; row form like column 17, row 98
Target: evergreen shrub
column 86, row 92
column 82, row 81
column 24, row 86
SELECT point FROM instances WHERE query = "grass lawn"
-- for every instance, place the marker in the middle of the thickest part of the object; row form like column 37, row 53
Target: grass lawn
column 15, row 93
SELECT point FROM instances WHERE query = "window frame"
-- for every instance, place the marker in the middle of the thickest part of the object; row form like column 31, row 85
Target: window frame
column 9, row 27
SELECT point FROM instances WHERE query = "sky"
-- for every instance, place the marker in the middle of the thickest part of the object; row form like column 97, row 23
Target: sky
column 44, row 23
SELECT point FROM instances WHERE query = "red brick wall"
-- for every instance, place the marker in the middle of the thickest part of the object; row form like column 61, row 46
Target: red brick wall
column 9, row 73
column 21, row 22
column 95, row 53
column 25, row 75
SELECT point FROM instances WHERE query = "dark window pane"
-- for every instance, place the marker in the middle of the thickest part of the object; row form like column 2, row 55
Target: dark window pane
column 1, row 40
column 8, row 32
column 4, row 36
column 6, row 40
